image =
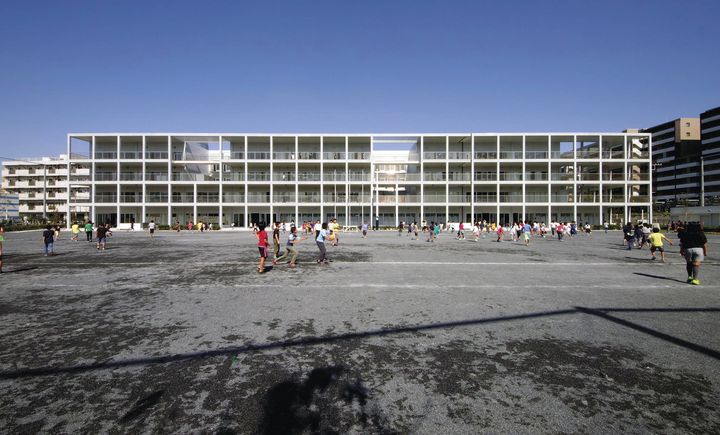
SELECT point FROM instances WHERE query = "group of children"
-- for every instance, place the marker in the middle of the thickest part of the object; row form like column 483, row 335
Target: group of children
column 326, row 231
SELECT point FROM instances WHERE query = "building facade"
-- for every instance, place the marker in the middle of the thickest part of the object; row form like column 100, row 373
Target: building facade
column 9, row 206
column 710, row 139
column 41, row 186
column 238, row 179
column 676, row 161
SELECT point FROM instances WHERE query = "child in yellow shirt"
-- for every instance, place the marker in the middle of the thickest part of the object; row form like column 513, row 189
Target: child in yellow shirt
column 656, row 243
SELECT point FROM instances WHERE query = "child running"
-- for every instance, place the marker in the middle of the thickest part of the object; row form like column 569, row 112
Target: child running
column 293, row 239
column 320, row 241
column 151, row 227
column 656, row 243
column 262, row 246
column 88, row 231
column 75, row 231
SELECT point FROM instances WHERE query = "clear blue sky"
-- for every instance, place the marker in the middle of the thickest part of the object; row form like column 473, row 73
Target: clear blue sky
column 350, row 66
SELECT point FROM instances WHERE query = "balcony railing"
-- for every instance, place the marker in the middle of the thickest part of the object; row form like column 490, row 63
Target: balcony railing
column 334, row 156
column 459, row 155
column 309, row 155
column 258, row 176
column 404, row 199
column 359, row 156
column 588, row 197
column 237, row 155
column 284, row 176
column 561, row 154
column 639, row 176
column 613, row 154
column 283, row 155
column 531, row 155
column 458, row 197
column 182, row 176
column 130, row 155
column 398, row 178
column 105, row 197
column 105, row 155
column 183, row 197
column 283, row 197
column 233, row 197
column 485, row 155
column 434, row 197
column 305, row 197
column 587, row 154
column 131, row 197
column 536, row 197
column 512, row 155
column 156, row 155
column 613, row 198
column 385, row 199
column 511, row 176
column 561, row 176
column 459, row 176
column 613, row 176
column 485, row 176
column 358, row 176
column 434, row 176
column 258, row 155
column 639, row 198
column 485, row 197
column 357, row 198
column 511, row 197
column 105, row 176
column 434, row 155
column 561, row 197
column 536, row 176
column 258, row 197
column 337, row 176
column 208, row 197
column 339, row 198
column 156, row 197
column 588, row 176
column 156, row 176
column 234, row 176
column 131, row 176
column 308, row 176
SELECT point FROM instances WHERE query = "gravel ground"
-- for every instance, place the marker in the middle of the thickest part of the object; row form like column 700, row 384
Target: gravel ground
column 181, row 334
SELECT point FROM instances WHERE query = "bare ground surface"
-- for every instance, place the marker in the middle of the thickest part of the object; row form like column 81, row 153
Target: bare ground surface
column 181, row 334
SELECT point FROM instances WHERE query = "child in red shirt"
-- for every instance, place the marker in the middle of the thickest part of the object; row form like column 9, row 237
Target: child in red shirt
column 262, row 246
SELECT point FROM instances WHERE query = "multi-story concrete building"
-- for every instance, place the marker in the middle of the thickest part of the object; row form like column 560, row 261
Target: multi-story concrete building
column 41, row 185
column 9, row 206
column 710, row 138
column 237, row 179
column 676, row 160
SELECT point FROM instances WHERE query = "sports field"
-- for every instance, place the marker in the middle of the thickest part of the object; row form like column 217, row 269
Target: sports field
column 181, row 334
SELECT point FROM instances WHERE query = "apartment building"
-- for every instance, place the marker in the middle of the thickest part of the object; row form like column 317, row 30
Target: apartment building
column 237, row 179
column 676, row 161
column 710, row 139
column 9, row 206
column 41, row 186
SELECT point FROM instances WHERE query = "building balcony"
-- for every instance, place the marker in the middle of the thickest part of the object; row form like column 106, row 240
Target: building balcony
column 404, row 199
column 562, row 197
column 511, row 197
column 183, row 198
column 156, row 155
column 258, row 176
column 156, row 198
column 156, row 176
column 283, row 177
column 308, row 176
column 233, row 197
column 308, row 198
column 483, row 197
column 130, row 155
column 258, row 155
column 237, row 155
column 434, row 155
column 106, row 197
column 613, row 154
column 536, row 176
column 208, row 198
column 588, row 198
column 284, row 198
column 459, row 176
column 434, row 198
column 458, row 198
column 511, row 176
column 334, row 156
column 459, row 155
column 613, row 176
column 105, row 155
column 560, row 155
column 485, row 176
column 511, row 155
column 639, row 198
column 359, row 156
column 337, row 176
column 131, row 176
column 258, row 198
column 132, row 198
column 337, row 199
column 233, row 176
column 562, row 176
column 486, row 155
column 386, row 199
column 613, row 198
column 536, row 197
column 588, row 176
column 359, row 199
column 536, row 155
column 358, row 176
column 283, row 155
column 434, row 176
column 309, row 155
column 105, row 176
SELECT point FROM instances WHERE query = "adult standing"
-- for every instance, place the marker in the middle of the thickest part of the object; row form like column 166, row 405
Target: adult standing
column 693, row 246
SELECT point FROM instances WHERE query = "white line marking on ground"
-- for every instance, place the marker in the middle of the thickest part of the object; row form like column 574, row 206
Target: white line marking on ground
column 398, row 263
column 427, row 286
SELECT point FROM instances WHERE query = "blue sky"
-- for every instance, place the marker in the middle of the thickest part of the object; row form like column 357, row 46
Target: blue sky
column 334, row 66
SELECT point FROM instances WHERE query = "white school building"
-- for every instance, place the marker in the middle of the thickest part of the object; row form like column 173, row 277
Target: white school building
column 236, row 179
